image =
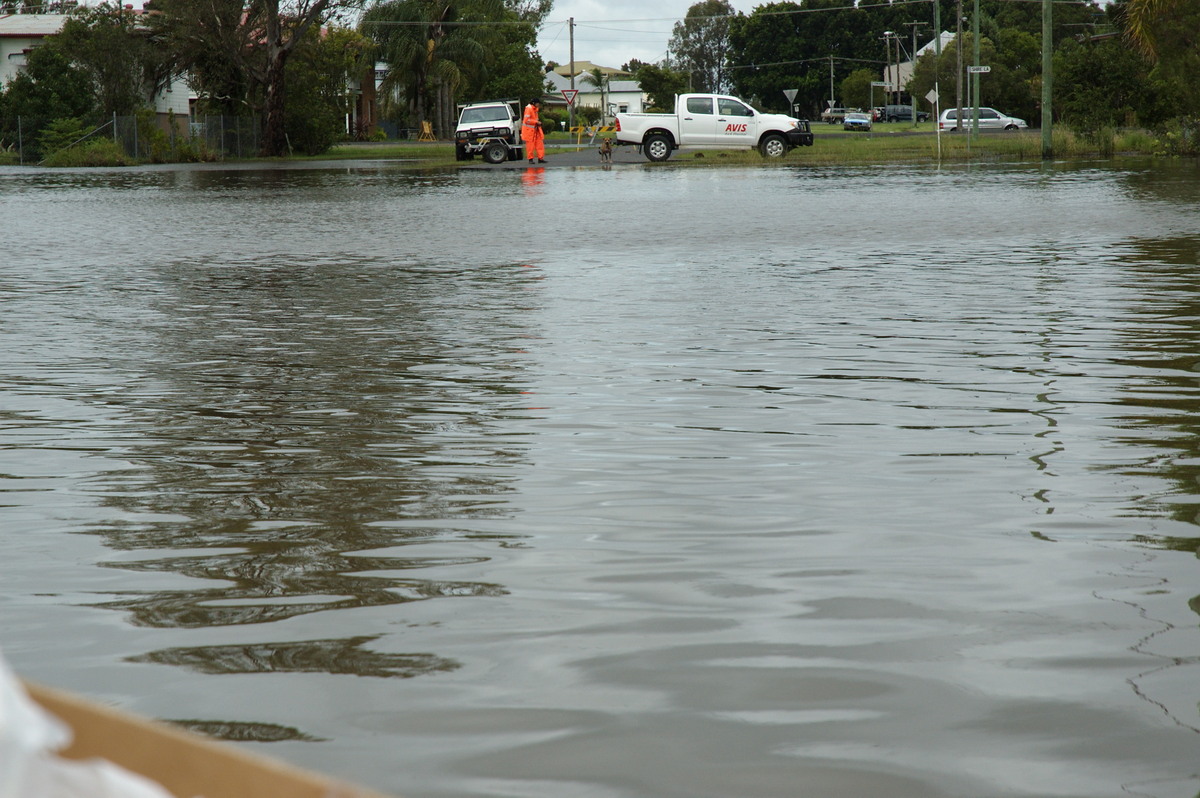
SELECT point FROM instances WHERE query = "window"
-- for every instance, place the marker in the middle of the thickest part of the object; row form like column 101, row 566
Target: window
column 494, row 113
column 700, row 105
column 728, row 107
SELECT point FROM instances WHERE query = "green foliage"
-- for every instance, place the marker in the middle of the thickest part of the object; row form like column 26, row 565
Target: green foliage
column 437, row 55
column 124, row 66
column 48, row 88
column 1010, row 86
column 95, row 152
column 1180, row 137
column 552, row 119
column 856, row 89
column 1167, row 32
column 218, row 45
column 587, row 115
column 316, row 79
column 661, row 84
column 1101, row 85
column 701, row 45
column 61, row 134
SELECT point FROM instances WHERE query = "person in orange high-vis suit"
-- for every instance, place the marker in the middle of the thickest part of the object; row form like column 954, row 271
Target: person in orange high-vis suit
column 531, row 132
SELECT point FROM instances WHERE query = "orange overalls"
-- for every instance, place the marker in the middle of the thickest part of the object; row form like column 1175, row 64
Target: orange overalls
column 532, row 135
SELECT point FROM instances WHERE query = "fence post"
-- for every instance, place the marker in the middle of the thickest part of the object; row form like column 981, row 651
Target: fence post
column 20, row 143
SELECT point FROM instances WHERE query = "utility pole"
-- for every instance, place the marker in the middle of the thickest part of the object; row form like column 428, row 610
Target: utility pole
column 958, row 72
column 912, row 97
column 1047, row 81
column 571, row 105
column 887, row 72
column 975, row 76
column 831, row 97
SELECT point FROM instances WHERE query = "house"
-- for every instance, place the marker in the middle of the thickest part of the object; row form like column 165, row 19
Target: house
column 621, row 94
column 19, row 34
column 898, row 75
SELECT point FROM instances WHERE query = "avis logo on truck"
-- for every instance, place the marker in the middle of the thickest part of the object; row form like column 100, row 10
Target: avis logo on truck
column 712, row 120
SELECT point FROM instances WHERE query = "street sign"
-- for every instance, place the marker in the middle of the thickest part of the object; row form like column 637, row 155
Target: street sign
column 569, row 95
column 791, row 95
column 883, row 84
column 976, row 70
column 932, row 96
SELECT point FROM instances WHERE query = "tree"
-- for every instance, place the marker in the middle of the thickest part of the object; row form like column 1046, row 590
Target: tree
column 123, row 64
column 513, row 67
column 856, row 88
column 216, row 43
column 700, row 44
column 50, row 87
column 1101, row 84
column 1167, row 33
column 596, row 77
column 661, row 84
column 434, row 49
column 1013, row 85
column 243, row 48
column 317, row 77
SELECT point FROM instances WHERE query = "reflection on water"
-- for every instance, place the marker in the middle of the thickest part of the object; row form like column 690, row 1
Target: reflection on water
column 311, row 656
column 734, row 478
column 238, row 732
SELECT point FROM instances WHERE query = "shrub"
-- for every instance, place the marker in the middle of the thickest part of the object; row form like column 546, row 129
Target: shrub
column 60, row 134
column 96, row 152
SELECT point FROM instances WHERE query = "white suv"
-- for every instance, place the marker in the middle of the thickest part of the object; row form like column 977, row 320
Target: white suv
column 989, row 119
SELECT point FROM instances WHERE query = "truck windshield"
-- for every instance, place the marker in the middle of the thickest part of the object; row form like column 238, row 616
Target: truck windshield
column 491, row 113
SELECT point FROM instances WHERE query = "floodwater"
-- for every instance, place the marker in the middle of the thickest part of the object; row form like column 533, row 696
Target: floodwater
column 628, row 483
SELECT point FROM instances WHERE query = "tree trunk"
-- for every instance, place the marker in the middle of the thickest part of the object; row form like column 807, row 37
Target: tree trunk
column 274, row 142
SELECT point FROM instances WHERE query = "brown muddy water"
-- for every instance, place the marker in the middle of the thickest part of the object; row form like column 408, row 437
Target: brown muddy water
column 638, row 483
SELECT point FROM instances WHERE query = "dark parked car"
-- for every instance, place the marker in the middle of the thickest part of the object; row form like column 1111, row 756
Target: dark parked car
column 903, row 113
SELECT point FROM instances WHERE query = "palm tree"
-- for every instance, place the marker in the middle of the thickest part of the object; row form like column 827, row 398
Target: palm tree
column 1140, row 18
column 596, row 77
column 429, row 57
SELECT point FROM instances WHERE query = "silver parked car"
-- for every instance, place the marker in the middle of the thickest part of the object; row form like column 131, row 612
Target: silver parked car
column 856, row 121
column 989, row 119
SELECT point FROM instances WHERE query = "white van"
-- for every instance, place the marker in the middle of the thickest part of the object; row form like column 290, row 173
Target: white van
column 989, row 119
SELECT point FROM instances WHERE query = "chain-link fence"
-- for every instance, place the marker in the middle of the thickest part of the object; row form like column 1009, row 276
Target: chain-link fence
column 231, row 136
column 141, row 138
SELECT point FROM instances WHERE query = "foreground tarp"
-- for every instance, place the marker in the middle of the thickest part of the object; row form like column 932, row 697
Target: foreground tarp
column 185, row 764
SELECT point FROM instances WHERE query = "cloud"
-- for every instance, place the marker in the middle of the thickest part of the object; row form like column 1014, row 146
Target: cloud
column 612, row 32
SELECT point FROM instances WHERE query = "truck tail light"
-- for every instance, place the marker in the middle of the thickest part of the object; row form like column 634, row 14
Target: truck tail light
column 617, row 124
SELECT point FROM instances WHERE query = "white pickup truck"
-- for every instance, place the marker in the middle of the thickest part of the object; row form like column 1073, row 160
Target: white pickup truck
column 491, row 129
column 712, row 120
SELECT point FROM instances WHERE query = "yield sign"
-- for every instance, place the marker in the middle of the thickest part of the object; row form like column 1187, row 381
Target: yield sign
column 569, row 95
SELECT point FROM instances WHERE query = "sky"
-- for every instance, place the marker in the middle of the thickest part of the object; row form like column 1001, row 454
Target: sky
column 611, row 32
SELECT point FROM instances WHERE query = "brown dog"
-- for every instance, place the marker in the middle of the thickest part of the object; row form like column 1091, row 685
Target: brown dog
column 606, row 151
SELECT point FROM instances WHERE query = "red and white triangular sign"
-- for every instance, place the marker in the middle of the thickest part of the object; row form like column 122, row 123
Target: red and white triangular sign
column 569, row 95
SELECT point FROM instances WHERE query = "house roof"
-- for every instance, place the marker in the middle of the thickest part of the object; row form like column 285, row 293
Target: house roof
column 586, row 66
column 28, row 26
column 561, row 82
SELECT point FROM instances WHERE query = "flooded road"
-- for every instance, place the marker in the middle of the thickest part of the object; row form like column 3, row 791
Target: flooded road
column 639, row 483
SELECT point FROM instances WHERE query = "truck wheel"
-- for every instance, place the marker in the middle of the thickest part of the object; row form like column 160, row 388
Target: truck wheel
column 496, row 152
column 657, row 147
column 773, row 146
